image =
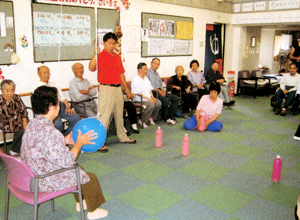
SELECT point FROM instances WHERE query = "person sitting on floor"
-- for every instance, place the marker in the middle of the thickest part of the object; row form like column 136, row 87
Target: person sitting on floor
column 82, row 92
column 208, row 110
column 178, row 83
column 214, row 76
column 197, row 79
column 14, row 114
column 288, row 87
column 65, row 111
column 141, row 85
column 44, row 150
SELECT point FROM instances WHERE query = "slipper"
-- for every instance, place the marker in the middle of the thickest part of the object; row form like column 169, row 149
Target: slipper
column 103, row 150
column 130, row 141
column 283, row 112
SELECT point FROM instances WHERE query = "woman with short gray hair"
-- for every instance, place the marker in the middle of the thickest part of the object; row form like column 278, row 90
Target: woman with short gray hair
column 14, row 114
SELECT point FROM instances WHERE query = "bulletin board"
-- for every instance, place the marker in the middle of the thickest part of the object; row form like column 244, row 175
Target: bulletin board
column 166, row 35
column 7, row 32
column 63, row 33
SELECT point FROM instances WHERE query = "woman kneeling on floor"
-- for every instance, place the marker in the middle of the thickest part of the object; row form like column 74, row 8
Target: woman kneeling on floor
column 44, row 150
column 208, row 110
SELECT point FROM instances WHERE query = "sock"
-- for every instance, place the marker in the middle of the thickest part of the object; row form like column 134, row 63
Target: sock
column 98, row 213
column 134, row 126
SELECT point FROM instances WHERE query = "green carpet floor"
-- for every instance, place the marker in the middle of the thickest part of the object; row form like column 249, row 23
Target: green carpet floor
column 226, row 176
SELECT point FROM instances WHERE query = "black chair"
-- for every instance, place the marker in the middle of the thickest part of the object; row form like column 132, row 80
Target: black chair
column 252, row 82
column 140, row 107
column 5, row 136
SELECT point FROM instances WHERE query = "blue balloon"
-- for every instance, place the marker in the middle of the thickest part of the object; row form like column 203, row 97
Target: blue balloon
column 86, row 125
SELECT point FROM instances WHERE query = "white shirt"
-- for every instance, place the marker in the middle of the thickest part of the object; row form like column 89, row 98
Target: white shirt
column 289, row 80
column 143, row 86
column 61, row 96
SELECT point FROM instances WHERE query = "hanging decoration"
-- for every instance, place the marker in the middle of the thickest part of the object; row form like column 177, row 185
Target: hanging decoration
column 119, row 34
column 117, row 4
column 114, row 3
column 1, row 77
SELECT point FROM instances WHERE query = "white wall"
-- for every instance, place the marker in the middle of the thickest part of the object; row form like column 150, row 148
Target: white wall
column 234, row 49
column 266, row 49
column 24, row 74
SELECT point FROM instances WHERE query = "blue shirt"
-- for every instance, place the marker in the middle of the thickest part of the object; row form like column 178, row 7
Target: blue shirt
column 154, row 79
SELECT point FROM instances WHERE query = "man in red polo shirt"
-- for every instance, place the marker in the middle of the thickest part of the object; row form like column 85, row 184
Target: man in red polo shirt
column 111, row 76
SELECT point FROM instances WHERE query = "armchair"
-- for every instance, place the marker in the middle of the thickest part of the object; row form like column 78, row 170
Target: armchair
column 23, row 184
column 253, row 82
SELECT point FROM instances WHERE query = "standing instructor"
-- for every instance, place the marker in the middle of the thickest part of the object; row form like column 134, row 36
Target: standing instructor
column 111, row 76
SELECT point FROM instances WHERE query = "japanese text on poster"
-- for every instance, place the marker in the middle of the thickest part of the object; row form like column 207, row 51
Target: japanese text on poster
column 53, row 29
column 161, row 28
column 158, row 46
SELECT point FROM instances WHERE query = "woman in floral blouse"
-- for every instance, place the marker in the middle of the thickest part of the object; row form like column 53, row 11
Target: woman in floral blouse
column 44, row 150
column 14, row 114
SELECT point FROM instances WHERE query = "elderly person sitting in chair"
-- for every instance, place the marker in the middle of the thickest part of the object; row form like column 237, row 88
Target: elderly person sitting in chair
column 214, row 76
column 288, row 87
column 44, row 150
column 182, row 86
column 141, row 86
column 14, row 114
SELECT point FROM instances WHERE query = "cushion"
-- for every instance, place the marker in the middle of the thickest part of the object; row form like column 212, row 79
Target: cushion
column 260, row 82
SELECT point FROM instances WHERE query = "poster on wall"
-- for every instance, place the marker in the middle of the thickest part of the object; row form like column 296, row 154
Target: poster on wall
column 2, row 25
column 184, row 30
column 133, row 38
column 161, row 28
column 157, row 46
column 161, row 47
column 54, row 29
column 100, row 34
column 181, row 47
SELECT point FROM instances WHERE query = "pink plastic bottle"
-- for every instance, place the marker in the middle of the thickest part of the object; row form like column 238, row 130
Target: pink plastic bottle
column 203, row 120
column 186, row 145
column 158, row 141
column 276, row 173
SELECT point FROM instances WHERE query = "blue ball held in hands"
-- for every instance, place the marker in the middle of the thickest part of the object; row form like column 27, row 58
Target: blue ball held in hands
column 86, row 125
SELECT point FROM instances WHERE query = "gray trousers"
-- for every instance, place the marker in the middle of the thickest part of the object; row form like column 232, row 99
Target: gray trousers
column 224, row 93
column 88, row 109
column 151, row 110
